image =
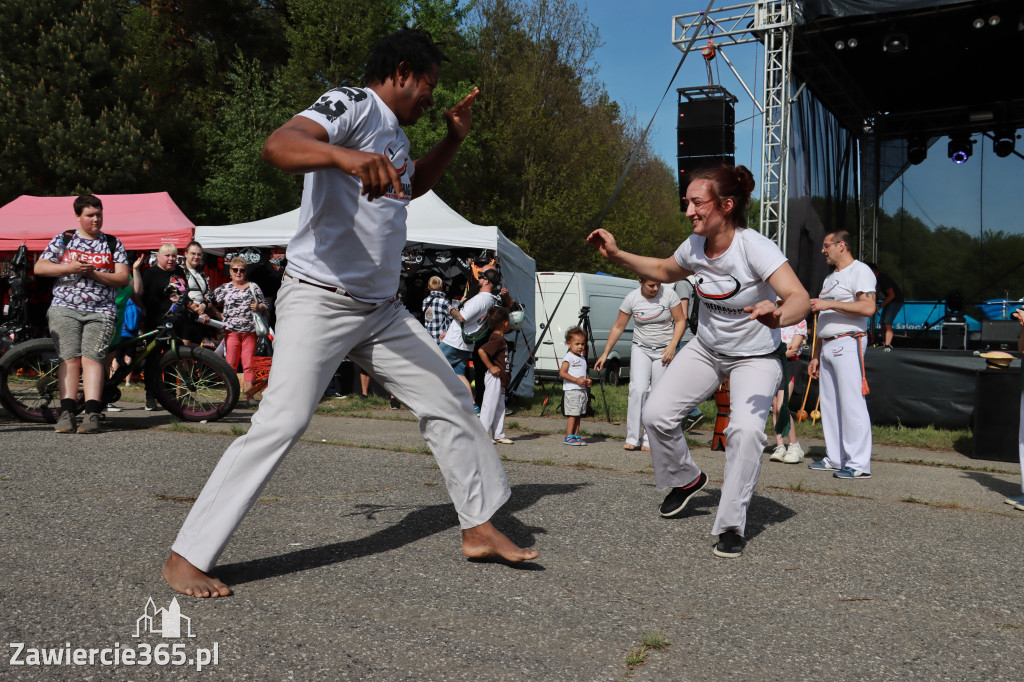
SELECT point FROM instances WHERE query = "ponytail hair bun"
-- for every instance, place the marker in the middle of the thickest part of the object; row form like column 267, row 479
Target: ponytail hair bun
column 744, row 179
column 729, row 182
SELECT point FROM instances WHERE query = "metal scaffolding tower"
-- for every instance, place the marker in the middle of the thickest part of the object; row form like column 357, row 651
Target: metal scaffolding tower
column 769, row 22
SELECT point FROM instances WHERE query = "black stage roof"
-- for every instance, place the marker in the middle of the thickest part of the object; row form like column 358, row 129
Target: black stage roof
column 914, row 67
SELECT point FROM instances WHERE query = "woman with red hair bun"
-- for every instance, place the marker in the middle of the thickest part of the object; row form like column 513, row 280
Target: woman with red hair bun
column 739, row 276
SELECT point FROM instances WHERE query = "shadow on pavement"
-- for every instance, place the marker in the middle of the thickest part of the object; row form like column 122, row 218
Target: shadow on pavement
column 418, row 524
column 996, row 485
column 762, row 513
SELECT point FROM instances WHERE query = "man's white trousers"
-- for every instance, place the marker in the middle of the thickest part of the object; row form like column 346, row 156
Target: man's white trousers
column 316, row 330
column 844, row 411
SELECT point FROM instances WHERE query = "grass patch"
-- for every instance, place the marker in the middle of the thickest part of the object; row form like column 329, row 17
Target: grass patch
column 650, row 641
column 237, row 430
column 636, row 657
column 654, row 640
column 183, row 427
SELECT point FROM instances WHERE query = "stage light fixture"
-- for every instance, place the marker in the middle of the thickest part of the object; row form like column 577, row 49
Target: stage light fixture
column 961, row 146
column 1003, row 143
column 979, row 23
column 895, row 43
column 994, row 20
column 852, row 42
column 840, row 45
column 917, row 149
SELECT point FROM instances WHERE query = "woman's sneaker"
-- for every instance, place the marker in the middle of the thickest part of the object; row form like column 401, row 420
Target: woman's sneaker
column 730, row 544
column 677, row 498
column 779, row 454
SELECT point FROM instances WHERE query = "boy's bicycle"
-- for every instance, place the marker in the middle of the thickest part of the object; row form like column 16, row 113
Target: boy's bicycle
column 192, row 383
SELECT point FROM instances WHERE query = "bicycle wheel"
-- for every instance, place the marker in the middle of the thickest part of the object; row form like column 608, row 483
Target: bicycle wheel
column 28, row 381
column 196, row 384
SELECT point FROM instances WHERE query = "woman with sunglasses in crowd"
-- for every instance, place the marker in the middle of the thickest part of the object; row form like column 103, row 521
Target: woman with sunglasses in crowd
column 238, row 300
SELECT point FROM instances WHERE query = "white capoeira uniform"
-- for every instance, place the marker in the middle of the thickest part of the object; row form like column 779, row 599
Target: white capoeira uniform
column 653, row 328
column 336, row 300
column 728, row 344
column 843, row 338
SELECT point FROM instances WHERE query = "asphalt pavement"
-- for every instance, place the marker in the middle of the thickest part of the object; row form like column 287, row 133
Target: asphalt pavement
column 349, row 565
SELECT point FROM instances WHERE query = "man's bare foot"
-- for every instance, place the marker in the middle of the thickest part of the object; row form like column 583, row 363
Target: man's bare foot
column 645, row 449
column 487, row 542
column 187, row 579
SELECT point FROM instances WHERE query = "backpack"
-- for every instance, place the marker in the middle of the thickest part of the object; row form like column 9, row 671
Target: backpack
column 132, row 319
column 480, row 333
column 111, row 240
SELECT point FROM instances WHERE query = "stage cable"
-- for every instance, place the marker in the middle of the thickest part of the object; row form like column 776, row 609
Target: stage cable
column 643, row 136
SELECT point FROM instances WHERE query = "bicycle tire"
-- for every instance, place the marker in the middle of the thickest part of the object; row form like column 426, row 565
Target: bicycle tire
column 196, row 384
column 28, row 381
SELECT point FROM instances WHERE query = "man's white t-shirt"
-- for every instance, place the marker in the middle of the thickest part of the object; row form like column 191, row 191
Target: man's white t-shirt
column 843, row 286
column 344, row 240
column 729, row 283
column 577, row 368
column 652, row 321
column 474, row 313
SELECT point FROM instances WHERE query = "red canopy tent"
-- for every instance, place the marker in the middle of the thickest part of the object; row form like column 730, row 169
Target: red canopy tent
column 140, row 221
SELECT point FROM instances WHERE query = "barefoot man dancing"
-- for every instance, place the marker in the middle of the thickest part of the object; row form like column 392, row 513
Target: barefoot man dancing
column 338, row 298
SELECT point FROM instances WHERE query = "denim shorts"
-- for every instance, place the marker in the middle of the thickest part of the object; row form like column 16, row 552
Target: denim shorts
column 80, row 334
column 889, row 312
column 575, row 403
column 456, row 358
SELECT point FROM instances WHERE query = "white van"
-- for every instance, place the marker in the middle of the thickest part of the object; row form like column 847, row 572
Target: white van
column 603, row 295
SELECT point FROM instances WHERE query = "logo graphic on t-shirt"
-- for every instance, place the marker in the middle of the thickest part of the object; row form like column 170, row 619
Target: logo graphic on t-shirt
column 101, row 261
column 393, row 150
column 717, row 287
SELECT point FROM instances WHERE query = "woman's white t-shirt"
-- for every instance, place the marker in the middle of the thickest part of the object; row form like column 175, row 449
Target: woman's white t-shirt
column 652, row 321
column 729, row 283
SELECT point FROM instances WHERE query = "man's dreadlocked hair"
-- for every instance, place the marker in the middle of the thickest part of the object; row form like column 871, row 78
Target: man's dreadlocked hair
column 413, row 46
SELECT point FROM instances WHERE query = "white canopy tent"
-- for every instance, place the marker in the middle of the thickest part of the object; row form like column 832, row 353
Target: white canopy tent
column 431, row 222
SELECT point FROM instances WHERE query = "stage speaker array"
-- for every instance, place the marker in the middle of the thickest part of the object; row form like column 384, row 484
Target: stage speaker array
column 1000, row 333
column 705, row 131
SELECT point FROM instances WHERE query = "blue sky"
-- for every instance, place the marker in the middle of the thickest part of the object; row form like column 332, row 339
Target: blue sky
column 638, row 59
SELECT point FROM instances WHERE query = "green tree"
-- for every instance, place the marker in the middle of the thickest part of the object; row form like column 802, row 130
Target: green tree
column 185, row 48
column 548, row 145
column 75, row 115
column 239, row 185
